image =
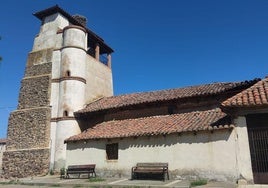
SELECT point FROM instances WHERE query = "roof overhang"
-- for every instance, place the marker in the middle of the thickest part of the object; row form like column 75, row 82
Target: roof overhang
column 204, row 120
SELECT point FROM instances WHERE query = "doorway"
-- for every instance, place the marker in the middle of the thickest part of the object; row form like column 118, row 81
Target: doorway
column 257, row 126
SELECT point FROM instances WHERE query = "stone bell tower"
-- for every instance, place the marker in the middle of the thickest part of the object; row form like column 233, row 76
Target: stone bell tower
column 68, row 67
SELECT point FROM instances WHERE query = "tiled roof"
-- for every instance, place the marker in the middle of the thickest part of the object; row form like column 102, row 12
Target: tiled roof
column 163, row 95
column 3, row 140
column 157, row 125
column 256, row 95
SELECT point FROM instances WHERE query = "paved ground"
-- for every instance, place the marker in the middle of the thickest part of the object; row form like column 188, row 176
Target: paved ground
column 55, row 181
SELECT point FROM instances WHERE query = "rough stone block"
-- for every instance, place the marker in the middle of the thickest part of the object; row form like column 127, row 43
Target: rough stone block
column 26, row 163
column 35, row 92
column 29, row 128
column 38, row 69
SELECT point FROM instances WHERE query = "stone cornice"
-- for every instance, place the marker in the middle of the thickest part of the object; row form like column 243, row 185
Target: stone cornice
column 57, row 80
column 62, row 118
column 78, row 47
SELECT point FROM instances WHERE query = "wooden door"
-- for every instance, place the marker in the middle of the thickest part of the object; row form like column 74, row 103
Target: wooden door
column 258, row 143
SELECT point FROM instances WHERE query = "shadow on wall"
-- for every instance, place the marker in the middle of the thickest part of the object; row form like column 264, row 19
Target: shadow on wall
column 59, row 164
column 200, row 137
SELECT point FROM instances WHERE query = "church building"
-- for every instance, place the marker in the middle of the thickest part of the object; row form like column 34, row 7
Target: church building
column 67, row 115
column 214, row 131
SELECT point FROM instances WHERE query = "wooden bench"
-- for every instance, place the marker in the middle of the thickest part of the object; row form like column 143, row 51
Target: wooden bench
column 81, row 169
column 151, row 169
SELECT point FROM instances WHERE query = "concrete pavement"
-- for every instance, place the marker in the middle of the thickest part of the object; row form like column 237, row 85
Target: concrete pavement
column 55, row 181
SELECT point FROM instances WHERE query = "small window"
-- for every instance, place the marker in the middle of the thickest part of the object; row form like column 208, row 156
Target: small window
column 68, row 73
column 112, row 151
column 65, row 113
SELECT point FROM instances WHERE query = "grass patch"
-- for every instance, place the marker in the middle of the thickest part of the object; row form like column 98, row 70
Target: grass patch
column 4, row 183
column 31, row 184
column 76, row 186
column 96, row 179
column 198, row 183
column 13, row 182
column 55, row 185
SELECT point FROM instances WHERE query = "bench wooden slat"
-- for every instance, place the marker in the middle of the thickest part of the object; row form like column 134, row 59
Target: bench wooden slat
column 152, row 168
column 81, row 169
column 152, row 164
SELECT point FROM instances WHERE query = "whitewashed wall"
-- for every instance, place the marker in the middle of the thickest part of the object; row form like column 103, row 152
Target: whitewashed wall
column 47, row 37
column 206, row 155
column 99, row 80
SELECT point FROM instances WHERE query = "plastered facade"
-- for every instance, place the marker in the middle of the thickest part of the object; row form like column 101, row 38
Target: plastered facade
column 189, row 155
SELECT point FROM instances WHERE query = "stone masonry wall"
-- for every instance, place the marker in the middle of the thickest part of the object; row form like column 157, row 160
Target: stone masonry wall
column 26, row 163
column 38, row 70
column 34, row 92
column 27, row 150
column 29, row 129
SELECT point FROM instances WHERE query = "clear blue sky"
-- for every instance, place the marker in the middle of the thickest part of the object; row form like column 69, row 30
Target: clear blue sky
column 159, row 44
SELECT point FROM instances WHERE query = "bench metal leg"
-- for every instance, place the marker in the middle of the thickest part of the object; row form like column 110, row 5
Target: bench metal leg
column 132, row 175
column 167, row 175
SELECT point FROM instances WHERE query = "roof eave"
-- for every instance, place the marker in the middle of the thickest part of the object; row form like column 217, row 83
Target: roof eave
column 212, row 129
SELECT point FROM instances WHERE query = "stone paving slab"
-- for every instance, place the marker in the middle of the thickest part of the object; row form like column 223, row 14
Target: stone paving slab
column 253, row 186
column 56, row 181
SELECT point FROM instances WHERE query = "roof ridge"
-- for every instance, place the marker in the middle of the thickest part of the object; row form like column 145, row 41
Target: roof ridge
column 124, row 100
column 184, row 87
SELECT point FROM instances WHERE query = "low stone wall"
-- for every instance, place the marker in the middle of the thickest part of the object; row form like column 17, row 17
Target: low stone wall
column 25, row 163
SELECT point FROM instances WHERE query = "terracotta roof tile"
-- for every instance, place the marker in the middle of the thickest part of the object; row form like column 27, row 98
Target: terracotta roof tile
column 256, row 95
column 3, row 140
column 163, row 95
column 157, row 125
